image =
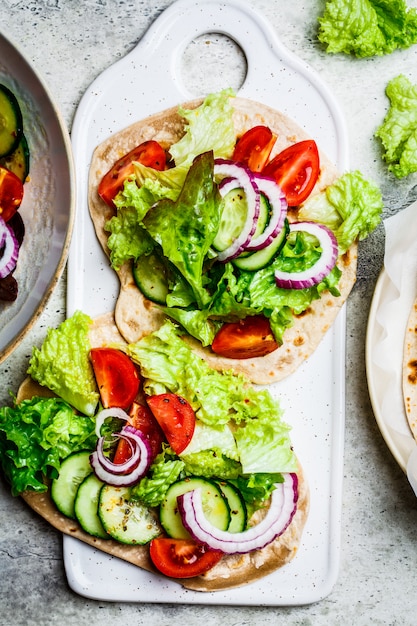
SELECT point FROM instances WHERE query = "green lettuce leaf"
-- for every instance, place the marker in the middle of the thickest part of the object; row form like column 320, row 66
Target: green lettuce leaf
column 35, row 436
column 62, row 364
column 209, row 127
column 367, row 27
column 165, row 470
column 398, row 132
column 351, row 207
column 185, row 228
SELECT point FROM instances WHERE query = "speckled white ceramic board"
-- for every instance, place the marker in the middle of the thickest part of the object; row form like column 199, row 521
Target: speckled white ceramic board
column 146, row 81
column 48, row 204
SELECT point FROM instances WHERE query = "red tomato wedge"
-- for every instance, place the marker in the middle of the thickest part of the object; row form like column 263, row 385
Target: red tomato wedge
column 296, row 170
column 143, row 420
column 182, row 558
column 117, row 377
column 176, row 417
column 149, row 153
column 248, row 338
column 11, row 193
column 254, row 147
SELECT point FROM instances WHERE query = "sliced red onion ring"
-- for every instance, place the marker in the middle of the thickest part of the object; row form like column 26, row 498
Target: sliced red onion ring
column 128, row 473
column 323, row 266
column 9, row 248
column 105, row 413
column 243, row 178
column 279, row 515
column 278, row 205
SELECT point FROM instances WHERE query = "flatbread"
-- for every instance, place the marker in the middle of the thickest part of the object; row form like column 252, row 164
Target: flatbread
column 137, row 316
column 232, row 571
column 409, row 374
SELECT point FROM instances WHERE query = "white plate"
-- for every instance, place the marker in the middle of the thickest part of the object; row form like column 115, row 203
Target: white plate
column 384, row 346
column 147, row 80
column 48, row 204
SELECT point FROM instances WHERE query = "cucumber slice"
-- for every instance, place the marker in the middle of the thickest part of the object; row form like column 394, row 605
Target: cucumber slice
column 86, row 506
column 18, row 161
column 64, row 488
column 150, row 276
column 124, row 519
column 11, row 121
column 215, row 506
column 233, row 218
column 238, row 510
column 261, row 258
column 235, row 208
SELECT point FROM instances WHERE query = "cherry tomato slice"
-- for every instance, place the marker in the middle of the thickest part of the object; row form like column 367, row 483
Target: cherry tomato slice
column 11, row 193
column 143, row 420
column 254, row 147
column 248, row 338
column 296, row 170
column 176, row 417
column 117, row 378
column 149, row 153
column 182, row 558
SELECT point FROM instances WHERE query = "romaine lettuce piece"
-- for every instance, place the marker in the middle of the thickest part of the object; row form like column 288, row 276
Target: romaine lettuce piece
column 367, row 27
column 62, row 364
column 398, row 132
column 185, row 228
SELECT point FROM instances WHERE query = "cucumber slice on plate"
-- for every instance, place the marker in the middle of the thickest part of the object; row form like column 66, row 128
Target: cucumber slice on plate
column 18, row 161
column 86, row 506
column 261, row 258
column 11, row 121
column 126, row 520
column 64, row 488
column 238, row 510
column 150, row 276
column 215, row 506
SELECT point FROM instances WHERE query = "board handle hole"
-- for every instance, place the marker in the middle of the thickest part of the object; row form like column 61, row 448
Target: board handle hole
column 212, row 62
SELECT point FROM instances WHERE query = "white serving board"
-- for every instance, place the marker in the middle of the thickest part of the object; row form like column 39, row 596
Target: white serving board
column 146, row 81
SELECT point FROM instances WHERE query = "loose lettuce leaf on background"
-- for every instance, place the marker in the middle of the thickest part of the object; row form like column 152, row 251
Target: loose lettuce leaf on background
column 398, row 132
column 62, row 363
column 367, row 27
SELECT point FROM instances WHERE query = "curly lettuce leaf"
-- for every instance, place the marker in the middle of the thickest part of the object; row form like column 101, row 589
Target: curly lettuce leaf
column 62, row 363
column 35, row 436
column 351, row 207
column 209, row 127
column 398, row 132
column 367, row 27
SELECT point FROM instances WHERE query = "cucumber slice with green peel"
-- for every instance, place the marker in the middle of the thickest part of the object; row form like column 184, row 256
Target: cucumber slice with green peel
column 150, row 275
column 238, row 510
column 215, row 506
column 261, row 258
column 11, row 121
column 64, row 488
column 18, row 161
column 86, row 507
column 126, row 520
column 233, row 218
